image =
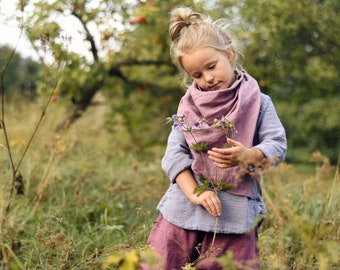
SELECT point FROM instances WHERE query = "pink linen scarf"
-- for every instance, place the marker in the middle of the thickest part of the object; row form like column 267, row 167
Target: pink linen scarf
column 239, row 103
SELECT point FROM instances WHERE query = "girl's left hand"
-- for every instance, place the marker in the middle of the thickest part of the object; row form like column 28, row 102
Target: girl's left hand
column 228, row 157
column 235, row 155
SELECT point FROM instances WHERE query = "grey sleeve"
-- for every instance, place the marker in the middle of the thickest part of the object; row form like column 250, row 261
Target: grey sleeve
column 270, row 136
column 177, row 155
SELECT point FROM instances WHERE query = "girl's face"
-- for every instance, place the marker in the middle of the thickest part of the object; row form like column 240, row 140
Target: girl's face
column 210, row 69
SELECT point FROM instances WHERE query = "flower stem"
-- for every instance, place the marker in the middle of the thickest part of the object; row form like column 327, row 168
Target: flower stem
column 215, row 232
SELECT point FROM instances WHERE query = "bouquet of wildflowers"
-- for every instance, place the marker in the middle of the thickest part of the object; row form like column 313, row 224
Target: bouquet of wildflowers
column 201, row 147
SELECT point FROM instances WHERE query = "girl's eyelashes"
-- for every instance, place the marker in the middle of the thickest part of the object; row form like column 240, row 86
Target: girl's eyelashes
column 212, row 66
column 198, row 75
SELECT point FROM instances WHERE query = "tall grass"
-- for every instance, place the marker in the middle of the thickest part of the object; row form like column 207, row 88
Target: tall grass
column 89, row 196
column 302, row 230
column 86, row 192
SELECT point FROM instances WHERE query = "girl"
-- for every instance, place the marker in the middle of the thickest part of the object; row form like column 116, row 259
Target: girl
column 185, row 229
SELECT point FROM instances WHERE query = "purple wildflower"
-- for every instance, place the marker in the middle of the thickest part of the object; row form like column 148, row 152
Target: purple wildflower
column 174, row 118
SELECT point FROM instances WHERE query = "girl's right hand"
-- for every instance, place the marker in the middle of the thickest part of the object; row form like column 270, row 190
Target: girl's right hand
column 210, row 201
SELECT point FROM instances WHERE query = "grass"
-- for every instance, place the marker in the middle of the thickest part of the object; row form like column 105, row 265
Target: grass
column 302, row 228
column 89, row 196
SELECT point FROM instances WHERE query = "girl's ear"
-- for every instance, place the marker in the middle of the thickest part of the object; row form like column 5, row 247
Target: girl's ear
column 229, row 54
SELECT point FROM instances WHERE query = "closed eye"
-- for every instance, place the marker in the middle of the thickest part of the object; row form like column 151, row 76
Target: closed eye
column 197, row 75
column 212, row 66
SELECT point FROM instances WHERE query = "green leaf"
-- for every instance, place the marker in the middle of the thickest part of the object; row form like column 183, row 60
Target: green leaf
column 223, row 186
column 199, row 190
column 214, row 186
column 200, row 147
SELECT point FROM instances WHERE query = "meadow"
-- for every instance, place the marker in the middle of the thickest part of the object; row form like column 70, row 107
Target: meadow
column 90, row 199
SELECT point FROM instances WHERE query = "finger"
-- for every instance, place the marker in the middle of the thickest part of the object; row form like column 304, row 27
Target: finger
column 233, row 143
column 222, row 165
column 220, row 162
column 218, row 156
column 217, row 205
column 213, row 207
column 206, row 204
column 219, row 151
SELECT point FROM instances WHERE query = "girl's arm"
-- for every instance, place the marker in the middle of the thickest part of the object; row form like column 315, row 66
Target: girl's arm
column 208, row 199
column 177, row 157
column 176, row 164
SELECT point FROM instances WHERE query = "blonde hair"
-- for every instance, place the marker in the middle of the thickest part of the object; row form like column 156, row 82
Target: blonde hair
column 190, row 30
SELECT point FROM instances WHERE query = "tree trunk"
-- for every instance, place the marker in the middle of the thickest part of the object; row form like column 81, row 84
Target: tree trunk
column 78, row 108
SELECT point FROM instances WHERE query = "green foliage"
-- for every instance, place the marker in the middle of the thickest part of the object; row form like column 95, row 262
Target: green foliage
column 227, row 261
column 313, row 125
column 189, row 266
column 22, row 75
column 200, row 147
column 216, row 186
column 301, row 225
column 125, row 261
column 131, row 259
column 139, row 117
column 74, row 211
column 288, row 43
column 291, row 48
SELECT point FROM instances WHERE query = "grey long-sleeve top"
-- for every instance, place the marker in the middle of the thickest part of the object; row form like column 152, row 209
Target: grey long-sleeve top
column 239, row 214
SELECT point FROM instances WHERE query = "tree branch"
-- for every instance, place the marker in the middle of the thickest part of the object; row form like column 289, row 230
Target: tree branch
column 115, row 71
column 89, row 36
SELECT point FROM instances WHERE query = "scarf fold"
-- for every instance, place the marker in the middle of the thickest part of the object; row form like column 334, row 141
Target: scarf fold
column 239, row 103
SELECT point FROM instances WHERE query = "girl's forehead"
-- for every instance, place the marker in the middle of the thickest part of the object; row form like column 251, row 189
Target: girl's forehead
column 200, row 56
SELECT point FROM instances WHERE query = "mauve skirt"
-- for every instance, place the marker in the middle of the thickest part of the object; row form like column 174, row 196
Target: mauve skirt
column 177, row 247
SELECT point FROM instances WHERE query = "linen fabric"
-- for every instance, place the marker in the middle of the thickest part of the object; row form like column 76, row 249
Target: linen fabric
column 178, row 246
column 176, row 207
column 240, row 103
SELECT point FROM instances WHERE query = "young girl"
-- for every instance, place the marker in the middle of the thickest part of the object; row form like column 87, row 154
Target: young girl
column 184, row 230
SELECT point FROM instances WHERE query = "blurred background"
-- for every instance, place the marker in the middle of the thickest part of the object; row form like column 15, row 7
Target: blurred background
column 120, row 51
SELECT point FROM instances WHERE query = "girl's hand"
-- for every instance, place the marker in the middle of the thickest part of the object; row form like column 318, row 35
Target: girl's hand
column 210, row 201
column 235, row 155
column 228, row 157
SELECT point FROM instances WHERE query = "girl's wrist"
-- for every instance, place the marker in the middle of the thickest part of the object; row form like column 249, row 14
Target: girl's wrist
column 255, row 156
column 194, row 199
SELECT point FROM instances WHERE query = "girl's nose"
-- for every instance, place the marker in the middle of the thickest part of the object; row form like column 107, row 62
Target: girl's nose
column 209, row 78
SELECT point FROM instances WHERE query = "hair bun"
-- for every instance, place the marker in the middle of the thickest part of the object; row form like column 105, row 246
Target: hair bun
column 180, row 18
